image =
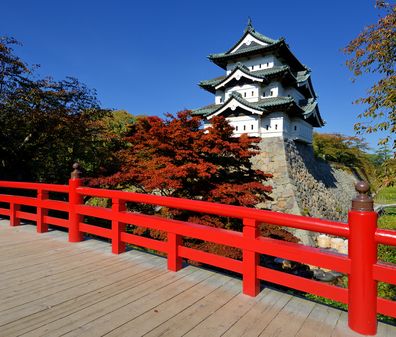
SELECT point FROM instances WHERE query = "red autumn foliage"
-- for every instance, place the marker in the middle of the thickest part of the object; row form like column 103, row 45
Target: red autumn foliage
column 177, row 157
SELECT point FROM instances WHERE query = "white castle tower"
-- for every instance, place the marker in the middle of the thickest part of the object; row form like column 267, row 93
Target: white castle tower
column 266, row 91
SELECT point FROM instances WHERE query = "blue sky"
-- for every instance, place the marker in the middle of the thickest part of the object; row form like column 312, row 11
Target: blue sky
column 148, row 56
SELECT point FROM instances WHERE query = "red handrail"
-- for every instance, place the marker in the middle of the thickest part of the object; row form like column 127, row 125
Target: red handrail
column 360, row 264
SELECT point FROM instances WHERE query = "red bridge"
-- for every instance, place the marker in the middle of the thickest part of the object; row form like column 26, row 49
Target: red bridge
column 36, row 300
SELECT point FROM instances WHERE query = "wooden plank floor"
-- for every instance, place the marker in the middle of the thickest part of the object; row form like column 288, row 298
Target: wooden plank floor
column 49, row 287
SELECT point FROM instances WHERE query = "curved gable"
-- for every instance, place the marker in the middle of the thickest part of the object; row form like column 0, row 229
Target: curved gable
column 237, row 74
column 233, row 103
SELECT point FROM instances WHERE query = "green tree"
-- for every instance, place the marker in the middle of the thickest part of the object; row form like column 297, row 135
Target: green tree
column 337, row 148
column 386, row 173
column 374, row 51
column 46, row 125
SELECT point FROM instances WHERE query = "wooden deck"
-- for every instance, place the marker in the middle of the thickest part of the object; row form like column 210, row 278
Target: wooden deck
column 49, row 287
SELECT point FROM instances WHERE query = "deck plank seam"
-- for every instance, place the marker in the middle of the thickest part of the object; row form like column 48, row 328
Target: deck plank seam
column 276, row 315
column 305, row 319
column 94, row 303
column 238, row 293
column 199, row 299
column 122, row 291
column 188, row 307
column 92, row 271
column 136, row 299
column 71, row 279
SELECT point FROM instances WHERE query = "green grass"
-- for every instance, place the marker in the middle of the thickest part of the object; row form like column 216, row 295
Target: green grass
column 387, row 254
column 386, row 195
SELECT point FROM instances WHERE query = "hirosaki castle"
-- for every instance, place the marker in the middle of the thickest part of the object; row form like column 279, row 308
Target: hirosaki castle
column 265, row 92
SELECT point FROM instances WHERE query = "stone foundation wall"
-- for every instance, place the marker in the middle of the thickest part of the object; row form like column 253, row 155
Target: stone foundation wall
column 302, row 184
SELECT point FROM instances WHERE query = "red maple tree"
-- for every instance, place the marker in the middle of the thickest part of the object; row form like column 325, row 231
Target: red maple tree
column 177, row 157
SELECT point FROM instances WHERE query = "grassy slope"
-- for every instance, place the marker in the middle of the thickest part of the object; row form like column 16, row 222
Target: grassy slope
column 386, row 196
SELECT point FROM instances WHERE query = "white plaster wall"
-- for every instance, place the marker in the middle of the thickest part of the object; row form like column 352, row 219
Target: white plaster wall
column 249, row 92
column 273, row 125
column 279, row 125
column 301, row 130
column 275, row 87
column 245, row 124
column 268, row 61
column 219, row 97
column 293, row 93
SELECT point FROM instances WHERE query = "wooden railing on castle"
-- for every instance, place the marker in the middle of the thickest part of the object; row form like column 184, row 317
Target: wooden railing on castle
column 360, row 264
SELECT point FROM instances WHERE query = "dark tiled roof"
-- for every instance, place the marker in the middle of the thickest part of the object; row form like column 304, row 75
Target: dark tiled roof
column 206, row 110
column 278, row 46
column 250, row 30
column 259, row 105
column 308, row 109
column 243, row 52
column 263, row 73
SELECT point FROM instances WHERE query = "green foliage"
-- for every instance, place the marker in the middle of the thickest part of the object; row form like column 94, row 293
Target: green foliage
column 385, row 174
column 387, row 254
column 118, row 123
column 386, row 195
column 344, row 150
column 46, row 125
column 374, row 51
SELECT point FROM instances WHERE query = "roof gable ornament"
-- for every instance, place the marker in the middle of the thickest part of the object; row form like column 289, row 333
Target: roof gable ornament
column 249, row 26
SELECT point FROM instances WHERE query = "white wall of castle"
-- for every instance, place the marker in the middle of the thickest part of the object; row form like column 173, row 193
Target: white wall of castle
column 293, row 92
column 254, row 92
column 249, row 92
column 245, row 124
column 275, row 124
column 256, row 63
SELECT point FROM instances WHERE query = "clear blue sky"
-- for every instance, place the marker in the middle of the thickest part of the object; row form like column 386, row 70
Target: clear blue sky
column 148, row 56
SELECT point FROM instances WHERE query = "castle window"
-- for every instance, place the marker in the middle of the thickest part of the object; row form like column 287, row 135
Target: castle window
column 252, row 126
column 244, row 128
column 295, row 127
column 236, row 128
column 276, row 126
column 263, row 93
column 221, row 100
column 266, row 127
column 252, row 67
column 259, row 66
column 267, row 64
column 244, row 94
column 252, row 93
column 271, row 93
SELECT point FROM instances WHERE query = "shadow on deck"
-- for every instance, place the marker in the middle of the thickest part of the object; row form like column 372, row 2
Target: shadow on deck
column 49, row 287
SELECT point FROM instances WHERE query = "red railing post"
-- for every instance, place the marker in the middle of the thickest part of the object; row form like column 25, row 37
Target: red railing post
column 251, row 259
column 14, row 220
column 362, row 288
column 75, row 199
column 42, row 227
column 175, row 262
column 117, row 246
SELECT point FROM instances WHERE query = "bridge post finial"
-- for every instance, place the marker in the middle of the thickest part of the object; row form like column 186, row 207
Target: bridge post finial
column 362, row 202
column 76, row 173
column 362, row 253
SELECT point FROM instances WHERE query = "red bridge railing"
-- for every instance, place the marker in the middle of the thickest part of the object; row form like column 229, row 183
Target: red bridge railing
column 360, row 264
